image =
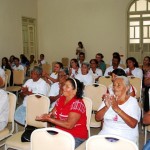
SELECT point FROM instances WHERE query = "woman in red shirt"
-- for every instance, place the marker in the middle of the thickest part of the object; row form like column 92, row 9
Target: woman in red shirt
column 69, row 113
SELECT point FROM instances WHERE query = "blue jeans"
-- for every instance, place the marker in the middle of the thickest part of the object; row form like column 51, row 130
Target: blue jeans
column 20, row 115
column 147, row 145
column 78, row 141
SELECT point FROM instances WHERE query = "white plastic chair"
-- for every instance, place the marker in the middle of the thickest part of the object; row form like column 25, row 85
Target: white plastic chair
column 109, row 142
column 7, row 132
column 52, row 138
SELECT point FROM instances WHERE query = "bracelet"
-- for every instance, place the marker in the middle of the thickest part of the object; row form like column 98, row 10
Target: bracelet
column 119, row 112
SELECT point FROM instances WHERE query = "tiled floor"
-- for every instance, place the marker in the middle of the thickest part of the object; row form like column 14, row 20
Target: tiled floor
column 95, row 131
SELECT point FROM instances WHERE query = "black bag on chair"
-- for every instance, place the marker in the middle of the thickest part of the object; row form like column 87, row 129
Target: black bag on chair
column 27, row 133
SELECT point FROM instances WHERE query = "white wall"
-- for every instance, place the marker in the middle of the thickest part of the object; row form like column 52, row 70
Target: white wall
column 11, row 12
column 99, row 24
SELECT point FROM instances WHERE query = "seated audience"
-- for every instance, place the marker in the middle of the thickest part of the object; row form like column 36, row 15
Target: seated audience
column 120, row 72
column 133, row 68
column 146, row 64
column 24, row 61
column 32, row 60
column 85, row 76
column 94, row 71
column 80, row 49
column 101, row 64
column 35, row 85
column 57, row 88
column 115, row 65
column 81, row 59
column 120, row 112
column 6, row 65
column 116, row 54
column 146, row 121
column 2, row 74
column 74, row 68
column 69, row 113
column 41, row 60
column 4, row 107
column 11, row 61
column 53, row 77
column 17, row 65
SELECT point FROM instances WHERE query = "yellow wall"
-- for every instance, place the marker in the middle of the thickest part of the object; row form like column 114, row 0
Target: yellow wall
column 11, row 12
column 99, row 24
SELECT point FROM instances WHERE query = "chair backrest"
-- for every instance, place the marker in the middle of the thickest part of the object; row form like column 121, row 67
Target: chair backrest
column 109, row 142
column 51, row 138
column 6, row 81
column 53, row 64
column 18, row 77
column 137, row 84
column 88, row 105
column 95, row 93
column 105, row 80
column 36, row 105
column 65, row 62
column 46, row 68
column 12, row 108
column 8, row 72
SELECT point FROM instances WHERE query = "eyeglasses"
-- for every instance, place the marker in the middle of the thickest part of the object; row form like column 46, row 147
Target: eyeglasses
column 61, row 75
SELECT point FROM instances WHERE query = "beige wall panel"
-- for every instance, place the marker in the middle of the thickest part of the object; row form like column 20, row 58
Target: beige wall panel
column 11, row 12
column 99, row 24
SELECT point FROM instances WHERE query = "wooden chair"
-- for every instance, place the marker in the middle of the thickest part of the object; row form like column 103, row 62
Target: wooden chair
column 105, row 81
column 8, row 72
column 6, row 81
column 65, row 62
column 46, row 68
column 18, row 80
column 8, row 131
column 52, row 138
column 88, row 105
column 41, row 105
column 95, row 93
column 109, row 142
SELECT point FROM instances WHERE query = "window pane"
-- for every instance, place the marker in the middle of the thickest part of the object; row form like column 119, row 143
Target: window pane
column 131, row 32
column 141, row 5
column 134, row 16
column 145, row 30
column 146, row 15
column 146, row 41
column 134, row 23
column 132, row 8
column 148, row 5
column 134, row 41
column 146, row 22
column 137, row 32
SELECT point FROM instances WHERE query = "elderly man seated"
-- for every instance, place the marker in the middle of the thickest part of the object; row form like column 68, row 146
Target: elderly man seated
column 35, row 85
column 4, row 106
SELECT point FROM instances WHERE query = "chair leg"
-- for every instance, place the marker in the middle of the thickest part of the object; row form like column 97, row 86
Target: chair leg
column 16, row 124
column 145, row 139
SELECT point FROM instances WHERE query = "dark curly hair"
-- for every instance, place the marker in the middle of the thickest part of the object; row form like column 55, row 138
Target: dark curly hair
column 80, row 86
column 133, row 60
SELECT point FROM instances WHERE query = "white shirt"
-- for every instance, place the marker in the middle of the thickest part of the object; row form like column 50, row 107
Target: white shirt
column 38, row 87
column 43, row 61
column 137, row 72
column 86, row 79
column 115, row 125
column 97, row 73
column 2, row 74
column 110, row 69
column 54, row 92
column 20, row 67
column 54, row 76
column 74, row 73
column 4, row 109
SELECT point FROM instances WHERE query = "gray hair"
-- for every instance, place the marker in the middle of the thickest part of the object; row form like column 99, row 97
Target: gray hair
column 86, row 64
column 38, row 70
column 125, row 81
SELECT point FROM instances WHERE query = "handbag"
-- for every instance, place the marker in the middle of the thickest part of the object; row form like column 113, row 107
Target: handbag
column 27, row 133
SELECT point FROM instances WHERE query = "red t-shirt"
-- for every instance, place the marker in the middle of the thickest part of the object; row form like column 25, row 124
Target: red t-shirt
column 62, row 113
